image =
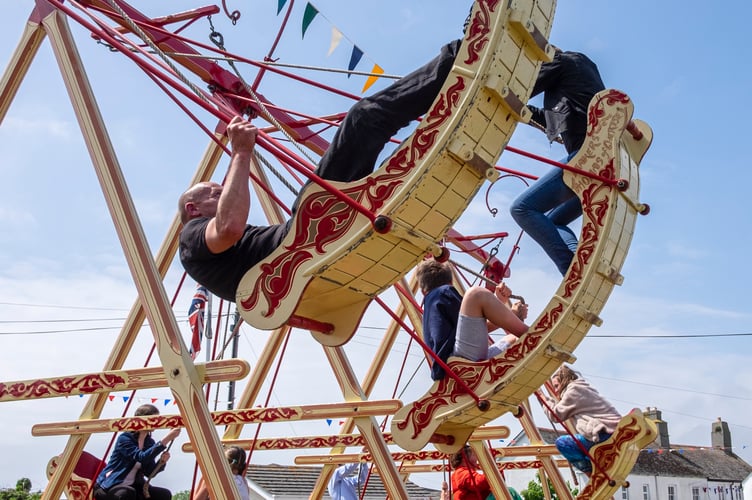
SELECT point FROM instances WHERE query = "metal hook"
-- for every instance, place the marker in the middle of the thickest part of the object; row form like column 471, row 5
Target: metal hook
column 234, row 16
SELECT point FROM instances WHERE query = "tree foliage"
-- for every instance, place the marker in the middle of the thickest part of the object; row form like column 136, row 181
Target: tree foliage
column 21, row 492
column 534, row 490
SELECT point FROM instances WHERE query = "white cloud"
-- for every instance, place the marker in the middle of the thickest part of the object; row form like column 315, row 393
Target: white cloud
column 60, row 129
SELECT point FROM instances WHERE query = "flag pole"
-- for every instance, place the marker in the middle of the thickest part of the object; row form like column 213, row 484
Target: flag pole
column 235, row 337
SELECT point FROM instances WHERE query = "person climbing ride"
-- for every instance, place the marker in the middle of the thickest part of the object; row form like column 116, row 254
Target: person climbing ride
column 595, row 419
column 546, row 208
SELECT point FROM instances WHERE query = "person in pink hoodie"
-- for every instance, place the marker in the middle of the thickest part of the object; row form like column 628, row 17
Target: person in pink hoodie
column 594, row 418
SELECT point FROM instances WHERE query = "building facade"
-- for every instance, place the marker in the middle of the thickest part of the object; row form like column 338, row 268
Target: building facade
column 666, row 471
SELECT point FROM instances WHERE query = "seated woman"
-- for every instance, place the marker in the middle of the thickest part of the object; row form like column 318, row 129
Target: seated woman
column 467, row 482
column 236, row 456
column 595, row 419
column 483, row 311
column 133, row 459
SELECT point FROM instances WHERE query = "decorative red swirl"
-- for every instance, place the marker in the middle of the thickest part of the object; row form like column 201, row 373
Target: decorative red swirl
column 596, row 111
column 323, row 218
column 85, row 384
column 478, row 30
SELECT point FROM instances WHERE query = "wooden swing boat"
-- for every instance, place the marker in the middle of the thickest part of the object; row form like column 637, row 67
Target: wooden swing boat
column 335, row 260
column 615, row 144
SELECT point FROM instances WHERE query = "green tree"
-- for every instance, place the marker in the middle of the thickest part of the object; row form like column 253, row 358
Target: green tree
column 534, row 490
column 21, row 492
column 182, row 495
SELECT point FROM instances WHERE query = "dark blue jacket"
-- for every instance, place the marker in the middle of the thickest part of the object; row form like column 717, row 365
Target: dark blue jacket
column 569, row 82
column 441, row 310
column 125, row 455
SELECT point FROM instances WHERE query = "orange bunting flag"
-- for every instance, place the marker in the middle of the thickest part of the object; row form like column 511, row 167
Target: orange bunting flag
column 336, row 38
column 377, row 70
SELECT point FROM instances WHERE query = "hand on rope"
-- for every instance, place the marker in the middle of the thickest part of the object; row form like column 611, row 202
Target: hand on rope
column 540, row 127
column 162, row 461
column 504, row 294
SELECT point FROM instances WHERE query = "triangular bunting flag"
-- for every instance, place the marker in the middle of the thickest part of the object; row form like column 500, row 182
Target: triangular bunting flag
column 111, row 398
column 308, row 15
column 328, row 421
column 354, row 58
column 166, row 402
column 336, row 38
column 153, row 400
column 125, row 399
column 377, row 70
column 280, row 4
column 341, row 422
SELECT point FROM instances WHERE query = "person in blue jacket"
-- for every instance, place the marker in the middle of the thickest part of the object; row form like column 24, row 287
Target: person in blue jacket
column 441, row 309
column 135, row 458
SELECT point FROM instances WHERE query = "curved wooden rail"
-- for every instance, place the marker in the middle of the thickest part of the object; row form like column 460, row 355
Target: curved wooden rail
column 609, row 214
column 333, row 261
column 615, row 457
column 80, row 486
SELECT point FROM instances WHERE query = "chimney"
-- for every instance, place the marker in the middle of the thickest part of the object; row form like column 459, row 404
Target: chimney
column 654, row 414
column 720, row 436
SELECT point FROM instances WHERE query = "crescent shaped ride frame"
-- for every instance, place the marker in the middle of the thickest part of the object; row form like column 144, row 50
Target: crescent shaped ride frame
column 615, row 144
column 335, row 260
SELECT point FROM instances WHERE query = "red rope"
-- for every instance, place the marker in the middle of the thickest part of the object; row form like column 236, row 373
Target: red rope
column 461, row 383
column 606, row 180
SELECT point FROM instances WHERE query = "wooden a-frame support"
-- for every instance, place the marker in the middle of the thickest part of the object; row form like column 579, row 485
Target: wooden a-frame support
column 152, row 303
column 45, row 21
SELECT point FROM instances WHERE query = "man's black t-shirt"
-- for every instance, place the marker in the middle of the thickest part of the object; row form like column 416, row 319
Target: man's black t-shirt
column 221, row 273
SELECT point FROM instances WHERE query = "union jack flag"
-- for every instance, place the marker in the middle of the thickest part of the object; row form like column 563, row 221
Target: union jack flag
column 196, row 319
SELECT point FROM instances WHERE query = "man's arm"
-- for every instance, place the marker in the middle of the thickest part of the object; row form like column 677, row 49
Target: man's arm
column 227, row 226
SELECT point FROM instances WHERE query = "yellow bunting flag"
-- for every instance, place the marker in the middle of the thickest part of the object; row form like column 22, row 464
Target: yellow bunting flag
column 377, row 70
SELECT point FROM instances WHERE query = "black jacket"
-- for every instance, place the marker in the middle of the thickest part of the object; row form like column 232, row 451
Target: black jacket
column 569, row 82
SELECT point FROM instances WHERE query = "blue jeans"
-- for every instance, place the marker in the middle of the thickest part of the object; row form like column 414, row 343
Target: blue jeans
column 544, row 210
column 569, row 449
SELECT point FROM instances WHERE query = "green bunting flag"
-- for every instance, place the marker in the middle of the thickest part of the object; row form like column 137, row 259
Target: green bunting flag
column 308, row 15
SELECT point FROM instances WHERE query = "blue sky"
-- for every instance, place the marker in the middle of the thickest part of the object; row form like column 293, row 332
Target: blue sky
column 686, row 273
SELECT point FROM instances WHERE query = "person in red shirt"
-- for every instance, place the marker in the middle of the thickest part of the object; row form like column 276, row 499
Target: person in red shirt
column 467, row 482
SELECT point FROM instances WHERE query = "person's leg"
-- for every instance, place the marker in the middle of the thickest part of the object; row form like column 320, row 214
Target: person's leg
column 501, row 345
column 372, row 121
column 157, row 493
column 562, row 216
column 122, row 493
column 530, row 211
column 570, row 450
column 479, row 302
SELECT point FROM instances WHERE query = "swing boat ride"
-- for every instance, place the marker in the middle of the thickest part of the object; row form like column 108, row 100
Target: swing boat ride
column 326, row 275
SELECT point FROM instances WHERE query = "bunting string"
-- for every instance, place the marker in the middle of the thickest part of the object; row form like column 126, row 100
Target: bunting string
column 310, row 13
